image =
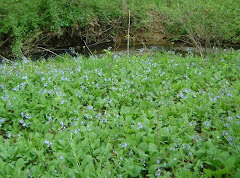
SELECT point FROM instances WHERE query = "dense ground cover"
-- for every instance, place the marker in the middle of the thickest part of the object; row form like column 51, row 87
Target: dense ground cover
column 26, row 24
column 112, row 116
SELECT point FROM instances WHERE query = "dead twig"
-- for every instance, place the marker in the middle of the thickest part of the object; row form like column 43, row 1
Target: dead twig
column 88, row 47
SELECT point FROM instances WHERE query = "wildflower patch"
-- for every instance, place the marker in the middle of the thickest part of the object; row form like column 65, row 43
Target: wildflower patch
column 120, row 116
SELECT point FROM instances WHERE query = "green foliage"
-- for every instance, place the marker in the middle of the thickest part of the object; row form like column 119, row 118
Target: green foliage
column 207, row 21
column 163, row 115
column 25, row 21
column 28, row 22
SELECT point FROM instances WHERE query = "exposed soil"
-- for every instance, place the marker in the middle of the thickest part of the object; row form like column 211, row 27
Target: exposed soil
column 97, row 36
column 96, row 33
column 153, row 31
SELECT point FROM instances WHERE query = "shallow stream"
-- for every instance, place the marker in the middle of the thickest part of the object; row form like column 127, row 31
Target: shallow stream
column 136, row 48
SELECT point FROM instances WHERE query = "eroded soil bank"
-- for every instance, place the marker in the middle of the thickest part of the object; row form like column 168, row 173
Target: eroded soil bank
column 97, row 35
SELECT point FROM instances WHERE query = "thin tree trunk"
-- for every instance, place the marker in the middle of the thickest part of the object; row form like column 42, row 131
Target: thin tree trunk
column 124, row 5
column 128, row 38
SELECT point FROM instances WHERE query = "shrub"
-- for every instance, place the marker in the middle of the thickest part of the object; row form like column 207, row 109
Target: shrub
column 205, row 21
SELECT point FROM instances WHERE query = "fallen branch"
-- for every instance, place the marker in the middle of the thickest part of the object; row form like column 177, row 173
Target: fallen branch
column 100, row 42
column 51, row 52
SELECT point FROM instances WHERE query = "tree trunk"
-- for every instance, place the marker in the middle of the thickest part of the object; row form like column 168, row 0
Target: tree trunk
column 124, row 5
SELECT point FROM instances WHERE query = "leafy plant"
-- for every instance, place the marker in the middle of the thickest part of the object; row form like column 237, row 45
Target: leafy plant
column 164, row 115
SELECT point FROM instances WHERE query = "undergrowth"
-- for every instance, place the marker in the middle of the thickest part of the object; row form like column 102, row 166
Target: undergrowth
column 120, row 116
column 207, row 22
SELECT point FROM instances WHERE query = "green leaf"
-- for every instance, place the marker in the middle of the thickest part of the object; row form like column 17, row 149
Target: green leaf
column 152, row 148
column 208, row 172
column 224, row 155
column 9, row 169
column 131, row 140
column 229, row 163
column 20, row 163
column 153, row 168
column 92, row 136
column 86, row 160
column 238, row 173
column 2, row 164
column 143, row 146
column 137, row 170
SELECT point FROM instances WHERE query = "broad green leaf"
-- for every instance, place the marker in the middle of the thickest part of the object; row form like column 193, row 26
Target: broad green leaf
column 20, row 163
column 229, row 163
column 143, row 146
column 152, row 148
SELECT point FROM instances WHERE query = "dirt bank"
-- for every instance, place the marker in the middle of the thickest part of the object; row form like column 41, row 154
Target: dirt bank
column 95, row 33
